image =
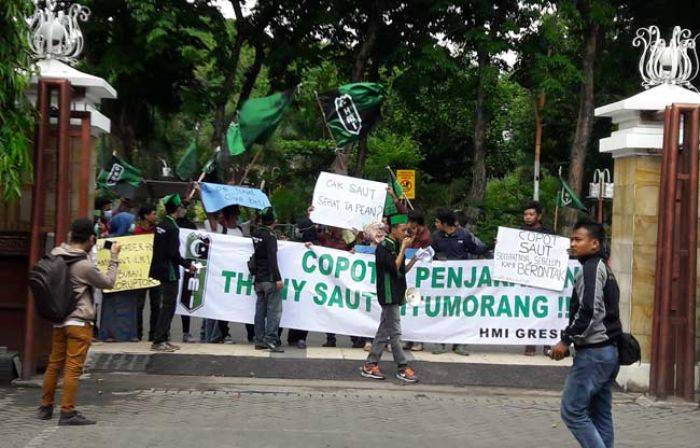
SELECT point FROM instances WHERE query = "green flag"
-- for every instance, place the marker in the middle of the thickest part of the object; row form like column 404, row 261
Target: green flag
column 120, row 177
column 567, row 197
column 352, row 110
column 257, row 120
column 389, row 205
column 186, row 168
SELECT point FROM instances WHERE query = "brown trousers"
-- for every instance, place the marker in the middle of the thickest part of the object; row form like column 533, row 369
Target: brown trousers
column 69, row 349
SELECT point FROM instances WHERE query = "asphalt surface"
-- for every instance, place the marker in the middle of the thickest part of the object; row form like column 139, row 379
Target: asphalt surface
column 137, row 410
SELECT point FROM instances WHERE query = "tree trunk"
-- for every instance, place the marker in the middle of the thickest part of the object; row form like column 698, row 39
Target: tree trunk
column 584, row 121
column 477, row 190
column 358, row 74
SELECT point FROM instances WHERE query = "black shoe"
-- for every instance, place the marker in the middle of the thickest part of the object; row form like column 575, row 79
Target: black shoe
column 329, row 344
column 172, row 346
column 74, row 418
column 301, row 344
column 162, row 347
column 44, row 412
column 261, row 347
column 274, row 348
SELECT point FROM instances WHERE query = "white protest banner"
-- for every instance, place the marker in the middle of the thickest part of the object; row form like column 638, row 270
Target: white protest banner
column 531, row 258
column 332, row 291
column 347, row 202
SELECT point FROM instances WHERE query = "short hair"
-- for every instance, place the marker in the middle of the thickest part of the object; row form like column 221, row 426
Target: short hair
column 146, row 210
column 445, row 216
column 534, row 205
column 81, row 230
column 594, row 229
column 100, row 202
column 267, row 216
column 417, row 217
column 230, row 210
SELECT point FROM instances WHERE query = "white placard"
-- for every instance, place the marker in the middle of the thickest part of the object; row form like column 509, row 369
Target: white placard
column 347, row 202
column 531, row 258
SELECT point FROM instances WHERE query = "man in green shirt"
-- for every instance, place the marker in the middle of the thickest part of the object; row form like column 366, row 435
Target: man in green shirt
column 391, row 293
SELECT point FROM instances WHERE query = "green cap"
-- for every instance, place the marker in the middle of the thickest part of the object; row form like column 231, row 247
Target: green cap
column 398, row 219
column 173, row 199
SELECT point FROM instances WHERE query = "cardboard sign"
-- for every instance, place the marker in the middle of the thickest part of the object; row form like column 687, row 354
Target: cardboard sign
column 347, row 202
column 407, row 179
column 530, row 258
column 134, row 262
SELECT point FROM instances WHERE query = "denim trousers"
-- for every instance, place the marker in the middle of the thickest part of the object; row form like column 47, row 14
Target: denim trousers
column 268, row 312
column 586, row 402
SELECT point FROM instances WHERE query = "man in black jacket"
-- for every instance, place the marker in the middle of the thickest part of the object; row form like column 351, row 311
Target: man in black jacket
column 268, row 283
column 165, row 267
column 594, row 327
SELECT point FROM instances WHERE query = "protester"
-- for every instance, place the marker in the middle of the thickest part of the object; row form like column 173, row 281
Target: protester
column 122, row 222
column 594, row 326
column 532, row 222
column 165, row 268
column 213, row 223
column 454, row 244
column 184, row 222
column 268, row 284
column 390, row 258
column 147, row 225
column 71, row 339
column 211, row 328
column 119, row 310
column 307, row 233
column 421, row 240
column 103, row 213
column 230, row 216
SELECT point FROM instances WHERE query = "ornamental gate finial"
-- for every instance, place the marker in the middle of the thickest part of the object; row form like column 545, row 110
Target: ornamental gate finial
column 672, row 62
column 54, row 33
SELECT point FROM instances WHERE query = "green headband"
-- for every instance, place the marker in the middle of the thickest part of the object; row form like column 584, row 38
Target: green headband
column 398, row 219
column 173, row 199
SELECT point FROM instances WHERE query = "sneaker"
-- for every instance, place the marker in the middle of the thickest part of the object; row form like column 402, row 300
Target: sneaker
column 329, row 344
column 74, row 418
column 162, row 347
column 368, row 346
column 301, row 344
column 460, row 349
column 417, row 347
column 407, row 374
column 274, row 348
column 187, row 338
column 172, row 346
column 442, row 348
column 44, row 412
column 372, row 371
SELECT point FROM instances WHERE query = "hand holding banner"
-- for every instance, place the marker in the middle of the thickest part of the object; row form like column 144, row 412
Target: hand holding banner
column 347, row 202
column 530, row 258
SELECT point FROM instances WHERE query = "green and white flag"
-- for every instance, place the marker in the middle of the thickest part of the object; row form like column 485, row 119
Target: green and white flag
column 257, row 120
column 567, row 197
column 352, row 110
column 389, row 205
column 120, row 177
column 186, row 168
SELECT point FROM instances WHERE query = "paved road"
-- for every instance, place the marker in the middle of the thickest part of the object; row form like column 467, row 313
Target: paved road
column 167, row 411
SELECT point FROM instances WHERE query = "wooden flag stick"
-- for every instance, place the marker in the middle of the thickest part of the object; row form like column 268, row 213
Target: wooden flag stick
column 393, row 178
column 250, row 165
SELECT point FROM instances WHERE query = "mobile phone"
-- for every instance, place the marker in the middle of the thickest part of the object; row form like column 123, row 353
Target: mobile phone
column 108, row 245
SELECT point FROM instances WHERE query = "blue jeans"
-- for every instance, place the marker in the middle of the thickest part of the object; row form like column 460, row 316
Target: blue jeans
column 268, row 312
column 586, row 402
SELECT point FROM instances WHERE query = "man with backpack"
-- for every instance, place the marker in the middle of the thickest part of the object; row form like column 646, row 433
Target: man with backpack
column 594, row 329
column 72, row 337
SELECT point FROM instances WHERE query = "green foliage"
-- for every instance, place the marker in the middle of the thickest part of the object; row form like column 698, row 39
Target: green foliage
column 291, row 201
column 16, row 116
column 390, row 149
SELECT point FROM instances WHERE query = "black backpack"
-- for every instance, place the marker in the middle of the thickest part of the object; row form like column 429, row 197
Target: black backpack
column 628, row 349
column 52, row 288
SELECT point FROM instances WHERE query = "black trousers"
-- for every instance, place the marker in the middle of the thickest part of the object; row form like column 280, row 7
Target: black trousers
column 166, row 296
column 293, row 336
column 153, row 318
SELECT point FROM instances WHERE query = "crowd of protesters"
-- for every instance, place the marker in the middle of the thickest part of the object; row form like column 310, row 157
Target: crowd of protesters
column 586, row 400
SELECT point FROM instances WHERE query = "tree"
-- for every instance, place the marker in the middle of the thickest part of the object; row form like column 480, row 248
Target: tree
column 15, row 111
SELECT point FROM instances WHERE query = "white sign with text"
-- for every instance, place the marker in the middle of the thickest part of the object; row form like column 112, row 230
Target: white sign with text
column 347, row 202
column 531, row 258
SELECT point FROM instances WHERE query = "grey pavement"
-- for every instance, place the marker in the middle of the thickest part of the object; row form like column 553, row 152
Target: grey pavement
column 175, row 411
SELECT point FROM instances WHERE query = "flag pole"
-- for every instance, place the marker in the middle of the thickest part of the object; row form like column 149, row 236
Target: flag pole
column 556, row 211
column 250, row 165
column 393, row 178
column 323, row 117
